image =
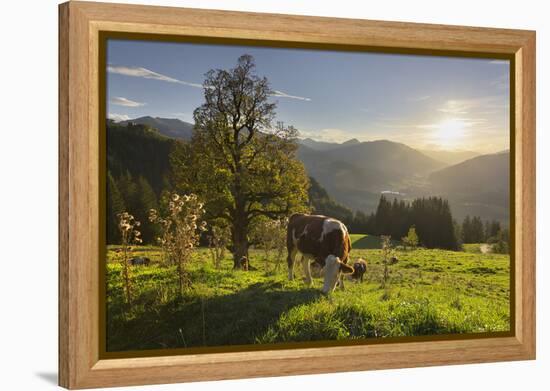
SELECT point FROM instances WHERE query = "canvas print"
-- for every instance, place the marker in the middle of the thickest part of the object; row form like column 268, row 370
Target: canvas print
column 266, row 196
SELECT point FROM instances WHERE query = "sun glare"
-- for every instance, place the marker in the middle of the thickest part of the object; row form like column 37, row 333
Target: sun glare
column 449, row 132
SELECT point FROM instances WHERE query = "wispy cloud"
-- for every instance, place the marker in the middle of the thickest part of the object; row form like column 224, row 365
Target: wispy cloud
column 147, row 74
column 118, row 117
column 463, row 123
column 121, row 101
column 419, row 98
column 499, row 62
column 455, row 107
column 282, row 94
column 474, row 105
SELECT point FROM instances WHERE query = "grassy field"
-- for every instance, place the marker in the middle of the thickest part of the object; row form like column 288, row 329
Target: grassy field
column 429, row 292
column 472, row 247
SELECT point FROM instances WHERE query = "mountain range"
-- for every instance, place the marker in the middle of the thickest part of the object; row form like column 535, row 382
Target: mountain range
column 479, row 186
column 356, row 173
column 169, row 127
column 450, row 157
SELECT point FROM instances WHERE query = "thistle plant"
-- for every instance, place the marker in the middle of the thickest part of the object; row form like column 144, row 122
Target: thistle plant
column 387, row 251
column 129, row 235
column 180, row 232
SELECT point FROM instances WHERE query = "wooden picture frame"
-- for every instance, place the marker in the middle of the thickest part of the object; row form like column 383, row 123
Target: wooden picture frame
column 80, row 27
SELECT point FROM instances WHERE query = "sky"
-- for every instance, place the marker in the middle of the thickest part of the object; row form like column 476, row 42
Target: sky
column 426, row 102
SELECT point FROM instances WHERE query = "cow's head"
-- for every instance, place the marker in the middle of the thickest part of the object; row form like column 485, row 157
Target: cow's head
column 332, row 270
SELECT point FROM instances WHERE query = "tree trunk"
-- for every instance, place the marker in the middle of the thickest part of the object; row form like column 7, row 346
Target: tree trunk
column 240, row 244
column 240, row 236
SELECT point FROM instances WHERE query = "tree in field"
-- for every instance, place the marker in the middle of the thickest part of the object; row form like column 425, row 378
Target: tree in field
column 180, row 229
column 237, row 161
column 411, row 240
column 129, row 235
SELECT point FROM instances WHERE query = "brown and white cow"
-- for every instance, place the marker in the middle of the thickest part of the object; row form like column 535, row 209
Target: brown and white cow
column 323, row 240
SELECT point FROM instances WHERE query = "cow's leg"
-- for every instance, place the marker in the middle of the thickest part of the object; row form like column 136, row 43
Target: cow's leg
column 307, row 270
column 290, row 261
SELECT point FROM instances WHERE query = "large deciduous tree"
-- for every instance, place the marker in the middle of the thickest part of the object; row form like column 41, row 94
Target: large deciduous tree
column 242, row 165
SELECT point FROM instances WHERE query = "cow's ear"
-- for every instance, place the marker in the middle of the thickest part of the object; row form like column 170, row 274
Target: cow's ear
column 346, row 269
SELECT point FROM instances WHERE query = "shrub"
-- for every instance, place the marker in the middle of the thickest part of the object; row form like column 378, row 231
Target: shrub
column 411, row 240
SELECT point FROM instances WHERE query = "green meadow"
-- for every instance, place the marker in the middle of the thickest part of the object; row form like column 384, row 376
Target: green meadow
column 429, row 292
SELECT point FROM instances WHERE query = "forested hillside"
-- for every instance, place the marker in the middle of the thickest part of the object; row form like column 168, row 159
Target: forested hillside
column 138, row 170
column 169, row 127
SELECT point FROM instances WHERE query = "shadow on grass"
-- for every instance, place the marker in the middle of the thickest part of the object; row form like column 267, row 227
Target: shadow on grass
column 234, row 319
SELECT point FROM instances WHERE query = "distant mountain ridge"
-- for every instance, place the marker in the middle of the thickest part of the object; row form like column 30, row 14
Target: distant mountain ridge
column 479, row 186
column 486, row 172
column 317, row 145
column 356, row 173
column 169, row 127
column 450, row 157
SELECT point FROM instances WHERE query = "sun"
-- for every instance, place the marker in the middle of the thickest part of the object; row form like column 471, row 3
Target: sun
column 450, row 132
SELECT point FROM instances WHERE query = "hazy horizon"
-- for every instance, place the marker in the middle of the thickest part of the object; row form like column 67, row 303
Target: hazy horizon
column 426, row 102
